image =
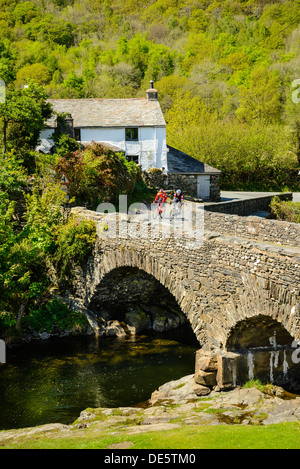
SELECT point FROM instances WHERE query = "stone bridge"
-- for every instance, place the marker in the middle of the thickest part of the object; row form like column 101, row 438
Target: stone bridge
column 239, row 294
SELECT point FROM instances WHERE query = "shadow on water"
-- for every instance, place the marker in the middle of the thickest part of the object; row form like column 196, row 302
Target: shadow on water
column 54, row 380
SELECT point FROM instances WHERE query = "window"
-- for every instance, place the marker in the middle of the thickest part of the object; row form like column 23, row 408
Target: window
column 77, row 134
column 131, row 134
column 133, row 158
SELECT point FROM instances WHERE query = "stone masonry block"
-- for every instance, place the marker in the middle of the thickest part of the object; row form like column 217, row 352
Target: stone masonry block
column 206, row 378
column 227, row 374
column 206, row 361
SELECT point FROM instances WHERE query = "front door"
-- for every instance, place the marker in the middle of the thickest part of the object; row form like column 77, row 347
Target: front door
column 203, row 187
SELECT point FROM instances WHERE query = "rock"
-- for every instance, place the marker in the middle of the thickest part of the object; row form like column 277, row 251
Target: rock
column 180, row 390
column 164, row 320
column 206, row 361
column 240, row 397
column 285, row 411
column 113, row 329
column 206, row 378
column 200, row 390
column 137, row 319
column 227, row 363
column 44, row 335
column 155, row 427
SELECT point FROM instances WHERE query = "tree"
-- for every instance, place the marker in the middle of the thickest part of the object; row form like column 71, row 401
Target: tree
column 296, row 139
column 39, row 73
column 22, row 117
column 261, row 101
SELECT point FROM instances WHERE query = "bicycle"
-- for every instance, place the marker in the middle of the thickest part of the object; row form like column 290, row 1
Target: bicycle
column 159, row 210
column 175, row 210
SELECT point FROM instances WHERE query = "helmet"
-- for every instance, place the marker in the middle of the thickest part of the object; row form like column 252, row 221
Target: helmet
column 178, row 192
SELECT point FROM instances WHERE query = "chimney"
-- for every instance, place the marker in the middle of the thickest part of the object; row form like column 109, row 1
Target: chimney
column 152, row 93
column 65, row 125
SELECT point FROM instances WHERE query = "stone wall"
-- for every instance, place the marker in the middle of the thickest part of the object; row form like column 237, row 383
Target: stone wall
column 187, row 182
column 256, row 228
column 215, row 194
column 154, row 178
column 223, row 370
column 245, row 207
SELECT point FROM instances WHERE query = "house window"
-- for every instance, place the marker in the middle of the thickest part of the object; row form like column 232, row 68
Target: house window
column 77, row 134
column 132, row 134
column 133, row 158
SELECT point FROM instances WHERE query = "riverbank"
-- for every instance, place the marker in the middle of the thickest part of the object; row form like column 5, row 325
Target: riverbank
column 175, row 417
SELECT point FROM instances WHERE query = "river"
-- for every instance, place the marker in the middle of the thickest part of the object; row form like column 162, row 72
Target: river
column 54, row 380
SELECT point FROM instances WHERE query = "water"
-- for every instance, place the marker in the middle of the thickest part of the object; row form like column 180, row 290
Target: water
column 54, row 381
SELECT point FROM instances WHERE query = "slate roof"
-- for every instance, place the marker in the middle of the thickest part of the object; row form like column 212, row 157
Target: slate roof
column 179, row 162
column 132, row 112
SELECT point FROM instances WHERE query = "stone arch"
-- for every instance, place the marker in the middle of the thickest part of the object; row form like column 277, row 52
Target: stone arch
column 112, row 259
column 261, row 348
column 256, row 297
column 130, row 296
column 259, row 331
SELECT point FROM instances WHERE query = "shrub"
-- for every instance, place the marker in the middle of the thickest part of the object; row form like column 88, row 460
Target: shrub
column 98, row 174
column 73, row 242
column 285, row 210
column 53, row 317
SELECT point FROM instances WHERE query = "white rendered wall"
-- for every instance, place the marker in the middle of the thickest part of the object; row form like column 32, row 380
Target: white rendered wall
column 47, row 134
column 151, row 148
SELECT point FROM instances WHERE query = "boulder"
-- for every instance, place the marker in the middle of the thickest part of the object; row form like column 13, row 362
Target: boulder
column 113, row 329
column 206, row 378
column 200, row 390
column 138, row 319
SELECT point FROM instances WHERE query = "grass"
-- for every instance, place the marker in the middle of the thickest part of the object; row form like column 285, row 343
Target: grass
column 255, row 383
column 279, row 436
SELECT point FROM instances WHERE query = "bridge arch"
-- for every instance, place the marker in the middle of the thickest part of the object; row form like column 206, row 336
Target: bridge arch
column 137, row 300
column 258, row 332
column 110, row 263
column 263, row 349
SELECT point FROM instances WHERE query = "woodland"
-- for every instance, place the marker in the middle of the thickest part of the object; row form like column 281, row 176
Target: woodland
column 227, row 72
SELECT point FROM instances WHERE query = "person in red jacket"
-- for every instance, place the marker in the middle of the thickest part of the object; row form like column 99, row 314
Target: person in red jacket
column 160, row 199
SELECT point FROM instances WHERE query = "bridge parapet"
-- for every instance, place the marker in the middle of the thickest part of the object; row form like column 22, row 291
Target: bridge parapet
column 247, row 227
column 255, row 228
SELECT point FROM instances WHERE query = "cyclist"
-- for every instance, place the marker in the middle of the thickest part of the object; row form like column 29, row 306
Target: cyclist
column 160, row 199
column 178, row 199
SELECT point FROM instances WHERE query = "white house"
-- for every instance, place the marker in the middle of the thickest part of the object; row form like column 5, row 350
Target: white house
column 136, row 127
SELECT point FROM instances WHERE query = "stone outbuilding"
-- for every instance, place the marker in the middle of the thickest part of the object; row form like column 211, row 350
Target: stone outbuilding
column 197, row 179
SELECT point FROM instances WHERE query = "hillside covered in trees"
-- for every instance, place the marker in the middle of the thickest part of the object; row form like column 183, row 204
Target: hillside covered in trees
column 225, row 71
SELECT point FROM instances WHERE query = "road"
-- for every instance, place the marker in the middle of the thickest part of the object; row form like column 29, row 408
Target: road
column 231, row 195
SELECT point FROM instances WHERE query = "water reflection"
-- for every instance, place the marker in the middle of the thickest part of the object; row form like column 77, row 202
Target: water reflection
column 54, row 380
